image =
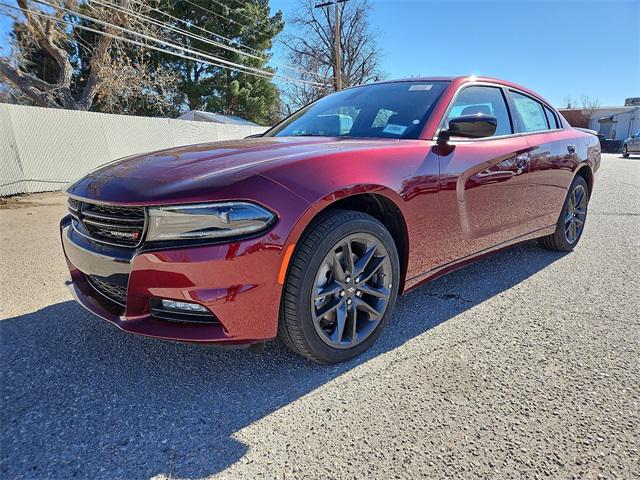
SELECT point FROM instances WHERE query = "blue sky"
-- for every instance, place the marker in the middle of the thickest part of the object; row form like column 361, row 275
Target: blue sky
column 557, row 48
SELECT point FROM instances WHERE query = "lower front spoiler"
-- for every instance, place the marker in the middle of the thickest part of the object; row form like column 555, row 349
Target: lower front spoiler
column 147, row 325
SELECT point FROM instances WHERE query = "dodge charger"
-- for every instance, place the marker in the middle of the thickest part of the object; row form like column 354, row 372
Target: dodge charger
column 310, row 231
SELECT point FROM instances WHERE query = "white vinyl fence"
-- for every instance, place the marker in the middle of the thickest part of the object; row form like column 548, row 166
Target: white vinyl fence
column 42, row 149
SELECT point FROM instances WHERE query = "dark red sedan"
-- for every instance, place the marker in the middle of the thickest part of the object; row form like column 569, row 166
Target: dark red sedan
column 311, row 231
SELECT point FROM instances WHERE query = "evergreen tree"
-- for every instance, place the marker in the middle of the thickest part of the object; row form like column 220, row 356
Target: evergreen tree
column 245, row 26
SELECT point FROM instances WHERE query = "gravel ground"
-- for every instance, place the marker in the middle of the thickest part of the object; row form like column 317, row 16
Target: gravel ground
column 525, row 364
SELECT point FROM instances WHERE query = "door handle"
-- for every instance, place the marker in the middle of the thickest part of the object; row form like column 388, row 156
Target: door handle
column 522, row 161
column 571, row 148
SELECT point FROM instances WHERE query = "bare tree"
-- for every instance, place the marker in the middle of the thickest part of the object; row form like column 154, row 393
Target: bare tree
column 89, row 68
column 588, row 105
column 311, row 48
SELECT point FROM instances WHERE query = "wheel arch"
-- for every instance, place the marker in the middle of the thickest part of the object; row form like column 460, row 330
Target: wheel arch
column 584, row 171
column 378, row 201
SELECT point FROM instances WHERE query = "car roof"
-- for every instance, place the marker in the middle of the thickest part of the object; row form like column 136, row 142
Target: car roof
column 459, row 80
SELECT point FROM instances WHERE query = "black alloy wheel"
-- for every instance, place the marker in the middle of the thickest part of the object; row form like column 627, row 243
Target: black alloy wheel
column 572, row 219
column 341, row 287
column 352, row 290
column 576, row 214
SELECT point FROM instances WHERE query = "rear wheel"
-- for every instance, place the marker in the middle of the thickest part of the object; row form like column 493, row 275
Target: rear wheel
column 341, row 287
column 572, row 219
column 625, row 151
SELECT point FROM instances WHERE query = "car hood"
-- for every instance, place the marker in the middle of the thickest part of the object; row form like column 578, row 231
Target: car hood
column 185, row 172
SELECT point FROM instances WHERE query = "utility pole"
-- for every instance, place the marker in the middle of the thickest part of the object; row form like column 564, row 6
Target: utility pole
column 337, row 61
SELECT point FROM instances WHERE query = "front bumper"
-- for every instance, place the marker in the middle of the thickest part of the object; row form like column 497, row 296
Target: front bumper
column 236, row 281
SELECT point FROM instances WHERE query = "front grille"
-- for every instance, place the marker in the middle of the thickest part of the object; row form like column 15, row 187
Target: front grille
column 115, row 225
column 113, row 292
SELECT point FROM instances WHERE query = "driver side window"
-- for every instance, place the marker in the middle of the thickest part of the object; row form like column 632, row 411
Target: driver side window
column 483, row 100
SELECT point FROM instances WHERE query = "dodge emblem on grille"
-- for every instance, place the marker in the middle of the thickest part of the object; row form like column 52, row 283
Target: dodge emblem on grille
column 128, row 235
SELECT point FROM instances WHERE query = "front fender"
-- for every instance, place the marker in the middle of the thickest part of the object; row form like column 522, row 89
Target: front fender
column 386, row 171
column 324, row 202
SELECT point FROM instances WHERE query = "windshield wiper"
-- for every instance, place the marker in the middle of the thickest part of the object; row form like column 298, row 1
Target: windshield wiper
column 311, row 135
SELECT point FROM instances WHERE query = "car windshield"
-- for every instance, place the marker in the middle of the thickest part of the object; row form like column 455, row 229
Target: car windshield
column 383, row 110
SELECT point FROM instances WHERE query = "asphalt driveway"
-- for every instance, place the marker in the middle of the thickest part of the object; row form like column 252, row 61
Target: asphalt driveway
column 525, row 364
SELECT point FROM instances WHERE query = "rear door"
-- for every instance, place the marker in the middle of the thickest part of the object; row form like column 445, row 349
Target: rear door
column 553, row 157
column 483, row 181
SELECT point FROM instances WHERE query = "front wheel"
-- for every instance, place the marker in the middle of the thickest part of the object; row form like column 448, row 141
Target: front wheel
column 625, row 151
column 572, row 219
column 341, row 287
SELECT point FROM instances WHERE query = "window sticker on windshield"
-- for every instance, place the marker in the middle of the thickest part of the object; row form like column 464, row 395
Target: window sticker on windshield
column 394, row 129
column 413, row 88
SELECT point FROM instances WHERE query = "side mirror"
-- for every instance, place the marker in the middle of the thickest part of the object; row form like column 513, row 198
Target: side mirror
column 255, row 135
column 469, row 126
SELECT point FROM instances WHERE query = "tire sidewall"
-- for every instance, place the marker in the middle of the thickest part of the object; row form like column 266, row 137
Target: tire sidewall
column 319, row 348
column 560, row 233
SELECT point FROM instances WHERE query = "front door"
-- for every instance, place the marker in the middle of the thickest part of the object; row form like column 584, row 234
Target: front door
column 483, row 183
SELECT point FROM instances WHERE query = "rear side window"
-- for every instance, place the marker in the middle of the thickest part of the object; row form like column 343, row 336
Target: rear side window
column 485, row 100
column 531, row 112
column 551, row 118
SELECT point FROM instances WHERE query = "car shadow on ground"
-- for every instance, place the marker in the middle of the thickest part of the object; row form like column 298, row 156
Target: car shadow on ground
column 83, row 399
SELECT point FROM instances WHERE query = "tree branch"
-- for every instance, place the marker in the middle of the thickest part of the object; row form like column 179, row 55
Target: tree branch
column 44, row 36
column 40, row 92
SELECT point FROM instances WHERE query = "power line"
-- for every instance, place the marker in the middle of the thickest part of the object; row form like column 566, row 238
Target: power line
column 176, row 29
column 199, row 38
column 184, row 22
column 217, row 35
column 153, row 39
column 239, row 2
column 211, row 60
column 260, row 22
column 177, row 47
column 221, row 16
column 131, row 41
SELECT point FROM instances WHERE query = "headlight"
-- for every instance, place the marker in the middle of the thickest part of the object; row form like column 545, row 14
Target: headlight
column 211, row 220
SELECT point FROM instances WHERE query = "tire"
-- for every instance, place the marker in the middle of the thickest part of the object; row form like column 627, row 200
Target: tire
column 319, row 265
column 564, row 239
column 625, row 152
